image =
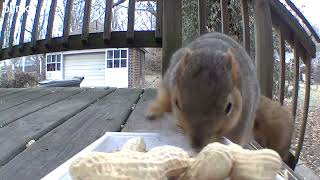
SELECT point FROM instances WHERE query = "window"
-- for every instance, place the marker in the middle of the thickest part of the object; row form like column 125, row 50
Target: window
column 54, row 62
column 117, row 58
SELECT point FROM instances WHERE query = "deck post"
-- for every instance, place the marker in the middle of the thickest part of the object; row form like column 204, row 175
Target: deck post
column 107, row 21
column 296, row 79
column 282, row 58
column 305, row 107
column 264, row 46
column 4, row 28
column 245, row 25
column 172, row 33
column 202, row 12
column 23, row 27
column 158, row 33
column 224, row 16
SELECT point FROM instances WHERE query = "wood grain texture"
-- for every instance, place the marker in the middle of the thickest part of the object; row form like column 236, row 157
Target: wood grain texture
column 86, row 21
column 166, row 125
column 50, row 21
column 66, row 23
column 131, row 10
column 31, row 94
column 158, row 33
column 202, row 12
column 118, row 40
column 224, row 16
column 295, row 90
column 2, row 90
column 1, row 8
column 35, row 31
column 280, row 11
column 264, row 46
column 305, row 21
column 245, row 25
column 10, row 91
column 72, row 136
column 14, row 137
column 13, row 25
column 305, row 108
column 107, row 21
column 282, row 57
column 172, row 30
column 15, row 95
column 4, row 27
column 12, row 114
column 23, row 25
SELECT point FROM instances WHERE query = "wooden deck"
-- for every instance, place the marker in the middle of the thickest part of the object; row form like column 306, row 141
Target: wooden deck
column 63, row 121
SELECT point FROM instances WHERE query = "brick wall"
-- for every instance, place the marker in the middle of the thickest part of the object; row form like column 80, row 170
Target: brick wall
column 136, row 66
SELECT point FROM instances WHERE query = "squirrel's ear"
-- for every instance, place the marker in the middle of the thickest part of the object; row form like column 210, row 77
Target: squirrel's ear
column 232, row 65
column 184, row 60
column 228, row 58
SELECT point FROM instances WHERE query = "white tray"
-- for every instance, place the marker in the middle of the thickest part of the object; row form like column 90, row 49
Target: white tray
column 111, row 141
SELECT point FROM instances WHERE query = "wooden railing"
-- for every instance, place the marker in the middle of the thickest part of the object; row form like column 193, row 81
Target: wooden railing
column 85, row 40
column 168, row 35
column 267, row 14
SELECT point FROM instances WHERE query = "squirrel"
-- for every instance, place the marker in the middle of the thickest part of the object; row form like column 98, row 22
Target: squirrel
column 211, row 88
column 273, row 127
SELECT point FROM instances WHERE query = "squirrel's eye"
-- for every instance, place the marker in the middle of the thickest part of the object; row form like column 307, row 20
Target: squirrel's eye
column 228, row 108
column 177, row 104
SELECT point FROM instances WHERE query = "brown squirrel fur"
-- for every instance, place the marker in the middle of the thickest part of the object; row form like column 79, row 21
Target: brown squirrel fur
column 212, row 90
column 273, row 126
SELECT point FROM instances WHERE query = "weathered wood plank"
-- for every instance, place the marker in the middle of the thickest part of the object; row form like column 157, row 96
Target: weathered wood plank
column 13, row 25
column 2, row 90
column 107, row 21
column 50, row 22
column 15, row 95
column 14, row 136
column 23, row 25
column 35, row 31
column 224, row 16
column 172, row 30
column 295, row 79
column 11, row 91
column 305, row 21
column 4, row 27
column 303, row 37
column 86, row 22
column 66, row 23
column 305, row 108
column 118, row 40
column 282, row 65
column 1, row 8
column 264, row 46
column 202, row 11
column 165, row 126
column 14, row 113
column 158, row 33
column 35, row 93
column 54, row 148
column 131, row 10
column 245, row 25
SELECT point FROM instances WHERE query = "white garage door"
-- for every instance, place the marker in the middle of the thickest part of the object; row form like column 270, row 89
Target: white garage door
column 91, row 66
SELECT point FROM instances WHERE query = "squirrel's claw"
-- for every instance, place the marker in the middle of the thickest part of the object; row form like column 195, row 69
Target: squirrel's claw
column 154, row 113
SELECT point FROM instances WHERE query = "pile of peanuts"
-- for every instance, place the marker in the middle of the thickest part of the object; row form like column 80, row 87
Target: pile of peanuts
column 216, row 161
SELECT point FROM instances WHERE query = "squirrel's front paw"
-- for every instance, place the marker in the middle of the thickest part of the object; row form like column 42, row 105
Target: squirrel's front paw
column 154, row 112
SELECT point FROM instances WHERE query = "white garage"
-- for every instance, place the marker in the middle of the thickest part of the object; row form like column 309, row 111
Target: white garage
column 99, row 67
column 91, row 66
